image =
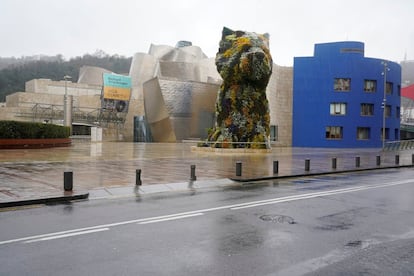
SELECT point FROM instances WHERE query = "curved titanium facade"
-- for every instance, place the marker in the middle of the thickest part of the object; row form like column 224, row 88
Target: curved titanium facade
column 91, row 75
column 338, row 97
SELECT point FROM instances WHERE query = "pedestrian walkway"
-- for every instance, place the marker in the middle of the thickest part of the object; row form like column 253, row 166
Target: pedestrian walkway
column 111, row 167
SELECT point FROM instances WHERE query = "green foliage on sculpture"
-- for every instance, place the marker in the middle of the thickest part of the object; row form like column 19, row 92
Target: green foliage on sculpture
column 242, row 110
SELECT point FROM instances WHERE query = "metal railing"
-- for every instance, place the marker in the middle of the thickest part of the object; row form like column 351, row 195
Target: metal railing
column 92, row 116
column 399, row 145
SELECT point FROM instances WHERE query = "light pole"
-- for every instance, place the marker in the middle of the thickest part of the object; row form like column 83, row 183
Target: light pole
column 65, row 102
column 384, row 101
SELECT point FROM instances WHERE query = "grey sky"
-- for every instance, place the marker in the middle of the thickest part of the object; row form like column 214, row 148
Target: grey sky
column 75, row 27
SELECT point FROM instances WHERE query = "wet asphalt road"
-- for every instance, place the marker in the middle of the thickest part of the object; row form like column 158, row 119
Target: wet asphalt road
column 346, row 224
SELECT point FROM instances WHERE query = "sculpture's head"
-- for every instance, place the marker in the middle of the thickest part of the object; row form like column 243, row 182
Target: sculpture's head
column 244, row 56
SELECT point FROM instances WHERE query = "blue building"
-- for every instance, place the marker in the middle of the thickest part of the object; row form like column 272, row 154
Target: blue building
column 338, row 98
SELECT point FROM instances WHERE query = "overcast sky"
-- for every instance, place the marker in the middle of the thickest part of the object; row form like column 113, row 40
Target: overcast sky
column 124, row 27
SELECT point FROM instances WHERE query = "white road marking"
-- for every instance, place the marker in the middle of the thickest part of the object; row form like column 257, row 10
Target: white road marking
column 231, row 207
column 318, row 194
column 171, row 218
column 67, row 235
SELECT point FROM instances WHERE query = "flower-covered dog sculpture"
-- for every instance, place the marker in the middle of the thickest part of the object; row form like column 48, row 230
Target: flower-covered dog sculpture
column 242, row 111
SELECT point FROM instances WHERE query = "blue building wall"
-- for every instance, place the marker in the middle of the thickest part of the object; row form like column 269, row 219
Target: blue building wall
column 314, row 91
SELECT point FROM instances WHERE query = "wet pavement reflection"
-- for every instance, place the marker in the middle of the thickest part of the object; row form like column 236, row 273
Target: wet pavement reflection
column 25, row 172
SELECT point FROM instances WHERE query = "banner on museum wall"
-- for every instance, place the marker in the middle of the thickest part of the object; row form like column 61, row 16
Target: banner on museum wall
column 116, row 92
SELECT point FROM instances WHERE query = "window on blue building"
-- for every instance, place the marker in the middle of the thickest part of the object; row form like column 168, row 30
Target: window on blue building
column 387, row 133
column 397, row 134
column 342, row 84
column 387, row 111
column 398, row 112
column 388, row 86
column 367, row 109
column 363, row 133
column 370, row 85
column 338, row 108
column 333, row 132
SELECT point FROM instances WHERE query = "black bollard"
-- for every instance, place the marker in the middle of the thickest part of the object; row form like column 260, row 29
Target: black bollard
column 68, row 181
column 357, row 161
column 378, row 160
column 138, row 181
column 334, row 163
column 193, row 177
column 275, row 167
column 307, row 165
column 238, row 168
column 397, row 159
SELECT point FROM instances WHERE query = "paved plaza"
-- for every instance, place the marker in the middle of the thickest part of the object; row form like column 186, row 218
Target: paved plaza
column 109, row 168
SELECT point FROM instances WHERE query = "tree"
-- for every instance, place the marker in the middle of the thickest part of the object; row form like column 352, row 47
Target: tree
column 14, row 77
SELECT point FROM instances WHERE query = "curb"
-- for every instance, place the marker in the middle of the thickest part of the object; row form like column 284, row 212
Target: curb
column 45, row 200
column 167, row 187
column 240, row 179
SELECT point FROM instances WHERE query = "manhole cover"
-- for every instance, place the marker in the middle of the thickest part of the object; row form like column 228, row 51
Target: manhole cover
column 278, row 219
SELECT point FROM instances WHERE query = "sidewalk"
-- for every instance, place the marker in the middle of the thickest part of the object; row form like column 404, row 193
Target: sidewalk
column 108, row 169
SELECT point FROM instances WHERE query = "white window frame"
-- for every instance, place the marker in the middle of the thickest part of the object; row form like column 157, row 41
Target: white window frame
column 338, row 108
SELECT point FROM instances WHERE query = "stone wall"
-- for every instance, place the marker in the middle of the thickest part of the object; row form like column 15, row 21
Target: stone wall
column 58, row 87
column 15, row 113
column 279, row 94
column 29, row 99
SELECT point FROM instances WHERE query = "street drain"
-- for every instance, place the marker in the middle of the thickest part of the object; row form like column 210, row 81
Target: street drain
column 8, row 193
column 354, row 243
column 278, row 219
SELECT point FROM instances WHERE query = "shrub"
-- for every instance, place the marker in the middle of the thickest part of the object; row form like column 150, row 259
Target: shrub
column 29, row 130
